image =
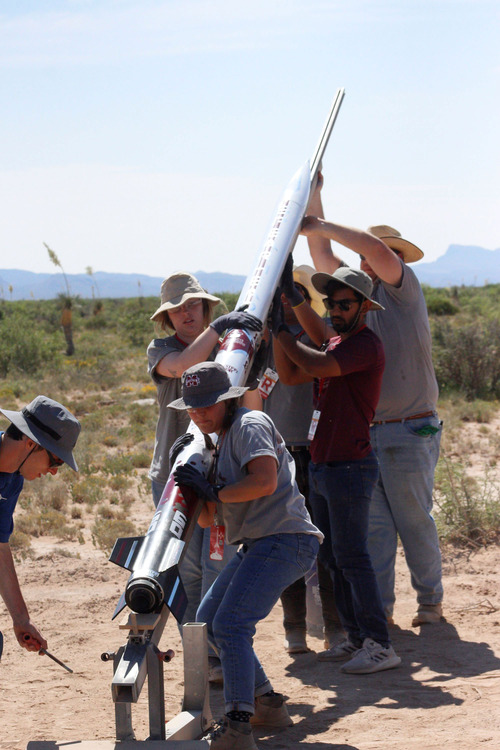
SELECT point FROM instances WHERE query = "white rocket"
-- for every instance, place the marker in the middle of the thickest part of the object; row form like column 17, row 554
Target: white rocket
column 154, row 558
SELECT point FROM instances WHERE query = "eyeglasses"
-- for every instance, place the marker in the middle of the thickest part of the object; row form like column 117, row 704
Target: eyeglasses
column 343, row 304
column 53, row 460
column 186, row 307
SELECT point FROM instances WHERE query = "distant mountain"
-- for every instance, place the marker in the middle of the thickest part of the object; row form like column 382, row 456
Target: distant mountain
column 461, row 264
column 29, row 285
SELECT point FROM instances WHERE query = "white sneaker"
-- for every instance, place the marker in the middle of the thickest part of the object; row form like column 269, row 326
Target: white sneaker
column 295, row 642
column 371, row 657
column 343, row 650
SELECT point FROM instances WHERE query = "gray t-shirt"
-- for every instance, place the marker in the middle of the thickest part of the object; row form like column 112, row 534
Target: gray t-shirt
column 171, row 422
column 291, row 406
column 253, row 434
column 409, row 384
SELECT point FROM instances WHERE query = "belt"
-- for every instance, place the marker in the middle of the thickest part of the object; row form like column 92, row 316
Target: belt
column 297, row 448
column 405, row 419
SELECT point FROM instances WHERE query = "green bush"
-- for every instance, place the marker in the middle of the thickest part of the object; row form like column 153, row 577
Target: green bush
column 24, row 348
column 467, row 358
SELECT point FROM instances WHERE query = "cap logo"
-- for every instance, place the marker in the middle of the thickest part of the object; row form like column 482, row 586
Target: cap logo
column 191, row 381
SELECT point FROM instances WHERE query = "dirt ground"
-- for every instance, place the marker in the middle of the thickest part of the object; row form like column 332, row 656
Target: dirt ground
column 446, row 694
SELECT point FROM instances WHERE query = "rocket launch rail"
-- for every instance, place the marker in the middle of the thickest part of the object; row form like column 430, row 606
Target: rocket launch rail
column 154, row 587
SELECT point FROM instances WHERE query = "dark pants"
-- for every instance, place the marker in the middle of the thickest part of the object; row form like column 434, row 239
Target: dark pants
column 293, row 599
column 340, row 494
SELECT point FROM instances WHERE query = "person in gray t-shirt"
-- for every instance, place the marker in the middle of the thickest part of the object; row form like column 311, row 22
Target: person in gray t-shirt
column 254, row 494
column 187, row 310
column 406, row 431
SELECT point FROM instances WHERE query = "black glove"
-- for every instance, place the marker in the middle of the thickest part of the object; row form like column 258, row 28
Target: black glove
column 288, row 285
column 236, row 319
column 276, row 319
column 258, row 364
column 178, row 445
column 190, row 477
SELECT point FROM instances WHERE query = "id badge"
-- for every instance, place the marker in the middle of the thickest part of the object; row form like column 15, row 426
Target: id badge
column 217, row 534
column 314, row 423
column 267, row 382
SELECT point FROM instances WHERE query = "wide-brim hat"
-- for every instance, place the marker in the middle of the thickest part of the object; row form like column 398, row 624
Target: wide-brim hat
column 204, row 385
column 393, row 239
column 49, row 424
column 351, row 277
column 303, row 275
column 179, row 288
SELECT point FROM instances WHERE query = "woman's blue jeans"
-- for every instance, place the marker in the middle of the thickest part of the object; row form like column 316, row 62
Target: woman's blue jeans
column 339, row 496
column 243, row 594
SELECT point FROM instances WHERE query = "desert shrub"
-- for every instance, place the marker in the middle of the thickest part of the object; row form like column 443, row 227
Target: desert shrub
column 467, row 358
column 118, row 464
column 20, row 543
column 88, row 490
column 468, row 509
column 106, row 531
column 48, row 522
column 24, row 348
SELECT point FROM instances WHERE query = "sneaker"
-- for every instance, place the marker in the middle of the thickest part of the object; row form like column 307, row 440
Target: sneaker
column 215, row 671
column 271, row 711
column 371, row 657
column 232, row 735
column 331, row 634
column 427, row 614
column 343, row 650
column 295, row 642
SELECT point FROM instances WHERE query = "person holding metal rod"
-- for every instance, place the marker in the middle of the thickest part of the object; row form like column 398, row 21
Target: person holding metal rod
column 251, row 490
column 39, row 440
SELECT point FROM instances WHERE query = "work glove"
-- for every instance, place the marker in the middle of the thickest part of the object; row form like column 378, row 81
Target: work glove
column 236, row 319
column 276, row 319
column 188, row 476
column 178, row 445
column 287, row 284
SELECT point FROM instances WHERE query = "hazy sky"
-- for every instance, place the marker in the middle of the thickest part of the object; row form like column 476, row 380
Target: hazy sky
column 152, row 136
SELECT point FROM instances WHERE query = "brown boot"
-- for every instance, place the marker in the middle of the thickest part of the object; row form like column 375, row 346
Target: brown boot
column 271, row 711
column 427, row 614
column 232, row 735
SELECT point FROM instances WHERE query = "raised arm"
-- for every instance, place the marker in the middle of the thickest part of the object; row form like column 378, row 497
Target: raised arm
column 320, row 247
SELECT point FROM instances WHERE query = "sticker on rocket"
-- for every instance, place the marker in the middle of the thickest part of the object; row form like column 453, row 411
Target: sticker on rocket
column 237, row 340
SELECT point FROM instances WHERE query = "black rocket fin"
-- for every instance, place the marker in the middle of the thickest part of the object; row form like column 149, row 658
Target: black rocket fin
column 121, row 605
column 175, row 594
column 125, row 551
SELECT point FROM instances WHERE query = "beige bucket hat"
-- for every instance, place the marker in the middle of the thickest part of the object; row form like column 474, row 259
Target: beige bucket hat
column 303, row 275
column 179, row 288
column 393, row 239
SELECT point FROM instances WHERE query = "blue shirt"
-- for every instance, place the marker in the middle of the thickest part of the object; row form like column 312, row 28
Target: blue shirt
column 10, row 489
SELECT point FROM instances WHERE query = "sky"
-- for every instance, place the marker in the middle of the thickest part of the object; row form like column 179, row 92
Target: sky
column 151, row 136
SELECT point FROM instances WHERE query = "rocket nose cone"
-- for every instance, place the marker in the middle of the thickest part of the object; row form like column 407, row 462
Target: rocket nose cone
column 143, row 596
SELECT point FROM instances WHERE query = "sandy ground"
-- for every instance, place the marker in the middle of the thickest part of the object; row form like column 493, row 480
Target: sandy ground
column 446, row 694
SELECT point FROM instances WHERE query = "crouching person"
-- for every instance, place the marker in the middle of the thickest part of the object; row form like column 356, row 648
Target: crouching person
column 253, row 493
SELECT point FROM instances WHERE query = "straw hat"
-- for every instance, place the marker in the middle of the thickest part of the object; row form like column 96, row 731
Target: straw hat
column 49, row 424
column 204, row 385
column 303, row 275
column 351, row 277
column 393, row 239
column 179, row 288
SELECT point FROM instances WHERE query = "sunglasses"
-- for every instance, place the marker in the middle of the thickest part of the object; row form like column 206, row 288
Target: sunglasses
column 53, row 460
column 343, row 304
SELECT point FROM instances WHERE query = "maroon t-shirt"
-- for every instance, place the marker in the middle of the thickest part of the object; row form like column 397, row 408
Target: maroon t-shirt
column 347, row 403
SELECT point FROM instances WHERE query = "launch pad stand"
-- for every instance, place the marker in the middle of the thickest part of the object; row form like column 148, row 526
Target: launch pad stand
column 141, row 658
